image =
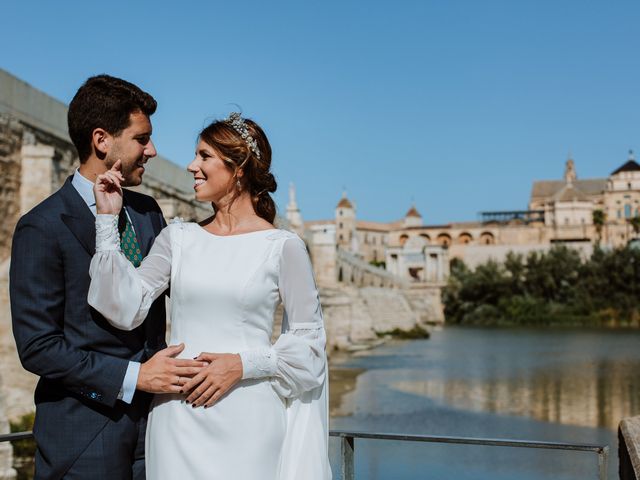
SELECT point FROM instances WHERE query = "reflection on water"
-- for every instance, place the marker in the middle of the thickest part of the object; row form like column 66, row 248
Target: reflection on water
column 554, row 385
column 581, row 395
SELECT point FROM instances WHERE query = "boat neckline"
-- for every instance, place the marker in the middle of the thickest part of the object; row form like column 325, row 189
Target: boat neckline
column 200, row 227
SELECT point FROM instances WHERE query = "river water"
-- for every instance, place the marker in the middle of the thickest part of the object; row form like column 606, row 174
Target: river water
column 560, row 385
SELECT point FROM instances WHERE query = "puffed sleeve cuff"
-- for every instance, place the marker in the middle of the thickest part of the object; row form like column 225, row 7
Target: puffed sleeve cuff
column 259, row 363
column 107, row 236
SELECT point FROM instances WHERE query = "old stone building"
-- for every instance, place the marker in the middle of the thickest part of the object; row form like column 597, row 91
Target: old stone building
column 559, row 211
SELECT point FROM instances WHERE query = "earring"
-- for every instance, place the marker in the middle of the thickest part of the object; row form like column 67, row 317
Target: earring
column 238, row 185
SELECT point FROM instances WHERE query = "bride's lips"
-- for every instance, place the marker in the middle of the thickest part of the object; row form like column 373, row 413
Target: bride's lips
column 198, row 182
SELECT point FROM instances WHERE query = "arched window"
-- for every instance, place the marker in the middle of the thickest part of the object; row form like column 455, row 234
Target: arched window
column 487, row 238
column 465, row 238
column 444, row 239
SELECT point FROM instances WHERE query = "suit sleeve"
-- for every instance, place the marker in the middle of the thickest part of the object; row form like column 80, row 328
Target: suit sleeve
column 37, row 294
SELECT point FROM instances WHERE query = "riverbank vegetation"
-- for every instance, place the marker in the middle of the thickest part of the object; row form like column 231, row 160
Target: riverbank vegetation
column 417, row 332
column 556, row 287
column 23, row 450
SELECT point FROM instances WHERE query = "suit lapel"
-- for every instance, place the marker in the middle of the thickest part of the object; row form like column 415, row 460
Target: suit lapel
column 78, row 217
column 141, row 224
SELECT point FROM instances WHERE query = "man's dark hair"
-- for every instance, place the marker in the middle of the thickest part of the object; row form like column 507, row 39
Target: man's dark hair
column 104, row 102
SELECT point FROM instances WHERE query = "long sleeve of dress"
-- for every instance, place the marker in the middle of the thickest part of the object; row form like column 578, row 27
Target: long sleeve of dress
column 297, row 369
column 297, row 362
column 122, row 293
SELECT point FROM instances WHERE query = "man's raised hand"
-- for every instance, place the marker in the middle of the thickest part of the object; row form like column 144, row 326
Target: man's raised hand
column 108, row 190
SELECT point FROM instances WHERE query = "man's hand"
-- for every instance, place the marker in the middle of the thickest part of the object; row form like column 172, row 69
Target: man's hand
column 224, row 370
column 108, row 191
column 163, row 373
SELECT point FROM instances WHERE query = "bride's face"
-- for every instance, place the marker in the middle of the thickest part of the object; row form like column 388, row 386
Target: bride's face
column 213, row 181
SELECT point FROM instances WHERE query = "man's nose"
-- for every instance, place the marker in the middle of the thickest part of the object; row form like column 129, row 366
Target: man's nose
column 150, row 149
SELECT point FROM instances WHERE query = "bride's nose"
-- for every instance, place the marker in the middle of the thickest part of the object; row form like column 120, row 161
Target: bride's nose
column 192, row 167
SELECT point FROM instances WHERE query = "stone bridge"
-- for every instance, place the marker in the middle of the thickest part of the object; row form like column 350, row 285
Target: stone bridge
column 352, row 270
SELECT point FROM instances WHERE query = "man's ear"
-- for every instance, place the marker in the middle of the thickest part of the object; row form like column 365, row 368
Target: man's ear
column 101, row 141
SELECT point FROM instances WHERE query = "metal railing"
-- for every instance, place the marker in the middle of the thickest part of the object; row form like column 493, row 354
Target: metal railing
column 347, row 446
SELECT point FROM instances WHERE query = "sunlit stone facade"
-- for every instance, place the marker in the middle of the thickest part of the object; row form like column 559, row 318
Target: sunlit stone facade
column 559, row 211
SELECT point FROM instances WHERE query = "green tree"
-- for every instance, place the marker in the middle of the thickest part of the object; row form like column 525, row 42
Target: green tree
column 599, row 219
column 557, row 287
column 635, row 224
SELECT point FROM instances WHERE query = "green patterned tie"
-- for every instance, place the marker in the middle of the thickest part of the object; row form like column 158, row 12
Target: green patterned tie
column 128, row 241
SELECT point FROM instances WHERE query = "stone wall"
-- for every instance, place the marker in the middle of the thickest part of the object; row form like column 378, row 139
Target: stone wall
column 10, row 145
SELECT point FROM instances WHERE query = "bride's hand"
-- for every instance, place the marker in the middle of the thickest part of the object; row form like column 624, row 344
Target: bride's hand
column 108, row 191
column 222, row 373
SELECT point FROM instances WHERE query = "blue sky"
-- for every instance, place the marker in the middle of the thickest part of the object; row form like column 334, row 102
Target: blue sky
column 455, row 105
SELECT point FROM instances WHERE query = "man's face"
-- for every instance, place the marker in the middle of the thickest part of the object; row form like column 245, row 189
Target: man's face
column 133, row 147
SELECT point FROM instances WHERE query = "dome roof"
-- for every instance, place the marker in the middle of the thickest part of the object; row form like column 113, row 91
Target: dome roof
column 344, row 203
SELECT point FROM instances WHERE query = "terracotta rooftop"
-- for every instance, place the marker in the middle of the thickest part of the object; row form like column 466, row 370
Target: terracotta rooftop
column 376, row 226
column 547, row 188
column 570, row 193
column 413, row 213
column 344, row 203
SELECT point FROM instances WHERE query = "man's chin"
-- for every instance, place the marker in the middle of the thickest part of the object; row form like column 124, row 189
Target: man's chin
column 132, row 181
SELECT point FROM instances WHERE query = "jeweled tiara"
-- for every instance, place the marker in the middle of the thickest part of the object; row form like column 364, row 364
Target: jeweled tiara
column 237, row 122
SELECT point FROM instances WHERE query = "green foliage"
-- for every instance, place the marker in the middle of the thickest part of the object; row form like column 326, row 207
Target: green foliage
column 23, row 448
column 635, row 224
column 599, row 218
column 415, row 333
column 552, row 288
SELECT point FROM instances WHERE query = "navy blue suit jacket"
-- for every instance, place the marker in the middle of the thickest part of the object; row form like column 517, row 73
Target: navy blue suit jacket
column 80, row 358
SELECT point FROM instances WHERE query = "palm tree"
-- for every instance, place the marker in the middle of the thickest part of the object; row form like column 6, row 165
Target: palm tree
column 599, row 218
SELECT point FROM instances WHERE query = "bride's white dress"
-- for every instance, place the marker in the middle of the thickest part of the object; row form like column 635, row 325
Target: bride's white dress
column 224, row 291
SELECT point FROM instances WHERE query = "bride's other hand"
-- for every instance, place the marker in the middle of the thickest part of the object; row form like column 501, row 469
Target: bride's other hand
column 108, row 190
column 222, row 373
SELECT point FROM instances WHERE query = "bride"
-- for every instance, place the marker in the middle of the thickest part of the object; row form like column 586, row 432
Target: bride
column 255, row 410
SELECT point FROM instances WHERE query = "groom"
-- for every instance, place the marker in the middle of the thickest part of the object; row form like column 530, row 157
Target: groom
column 93, row 395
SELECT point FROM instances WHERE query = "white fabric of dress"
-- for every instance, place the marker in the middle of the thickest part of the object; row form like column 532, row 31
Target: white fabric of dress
column 224, row 292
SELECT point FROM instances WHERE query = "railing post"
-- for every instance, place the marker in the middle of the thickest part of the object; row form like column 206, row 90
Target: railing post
column 603, row 457
column 347, row 450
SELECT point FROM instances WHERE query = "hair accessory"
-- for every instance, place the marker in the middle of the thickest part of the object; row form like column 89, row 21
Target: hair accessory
column 236, row 121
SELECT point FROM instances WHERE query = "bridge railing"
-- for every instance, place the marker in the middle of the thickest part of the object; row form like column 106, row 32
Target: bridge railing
column 362, row 268
column 348, row 450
